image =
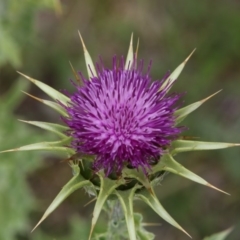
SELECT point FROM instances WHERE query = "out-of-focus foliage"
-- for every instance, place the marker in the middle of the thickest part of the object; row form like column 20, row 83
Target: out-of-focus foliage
column 79, row 229
column 219, row 236
column 16, row 27
column 42, row 43
column 16, row 199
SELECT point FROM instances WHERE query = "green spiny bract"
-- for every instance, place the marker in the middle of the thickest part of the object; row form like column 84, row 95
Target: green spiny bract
column 128, row 181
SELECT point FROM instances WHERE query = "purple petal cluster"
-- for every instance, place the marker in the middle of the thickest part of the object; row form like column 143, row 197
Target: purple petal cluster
column 122, row 118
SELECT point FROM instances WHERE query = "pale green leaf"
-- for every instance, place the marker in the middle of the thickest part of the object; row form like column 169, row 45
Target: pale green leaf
column 107, row 186
column 54, row 94
column 151, row 199
column 50, row 104
column 219, row 236
column 182, row 113
column 130, row 55
column 50, row 146
column 175, row 74
column 137, row 174
column 186, row 145
column 167, row 163
column 75, row 183
column 142, row 233
column 52, row 127
column 126, row 199
column 88, row 60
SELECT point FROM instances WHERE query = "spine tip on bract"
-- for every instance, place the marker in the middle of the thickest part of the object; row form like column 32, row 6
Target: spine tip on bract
column 207, row 98
column 211, row 186
column 185, row 61
column 81, row 39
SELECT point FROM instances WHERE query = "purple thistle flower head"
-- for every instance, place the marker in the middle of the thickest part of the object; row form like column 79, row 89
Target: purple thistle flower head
column 122, row 117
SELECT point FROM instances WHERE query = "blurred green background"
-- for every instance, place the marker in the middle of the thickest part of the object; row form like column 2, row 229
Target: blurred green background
column 39, row 38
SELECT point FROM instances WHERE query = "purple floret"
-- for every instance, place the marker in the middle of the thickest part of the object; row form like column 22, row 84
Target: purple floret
column 122, row 118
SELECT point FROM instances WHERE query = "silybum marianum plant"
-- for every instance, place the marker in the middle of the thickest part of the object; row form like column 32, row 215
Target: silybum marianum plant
column 121, row 134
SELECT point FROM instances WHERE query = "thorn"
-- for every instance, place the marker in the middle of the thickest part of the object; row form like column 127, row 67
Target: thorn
column 185, row 61
column 36, row 225
column 40, row 221
column 211, row 186
column 36, row 98
column 23, row 121
column 27, row 77
column 136, row 53
column 129, row 60
column 131, row 41
column 83, row 45
column 88, row 60
column 75, row 74
column 91, row 231
column 205, row 99
column 90, row 201
column 10, row 150
column 186, row 233
column 131, row 48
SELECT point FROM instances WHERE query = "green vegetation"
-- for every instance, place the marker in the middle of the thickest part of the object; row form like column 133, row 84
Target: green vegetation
column 38, row 38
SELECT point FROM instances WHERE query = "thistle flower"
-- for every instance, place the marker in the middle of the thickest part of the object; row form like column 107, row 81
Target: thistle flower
column 122, row 118
column 121, row 135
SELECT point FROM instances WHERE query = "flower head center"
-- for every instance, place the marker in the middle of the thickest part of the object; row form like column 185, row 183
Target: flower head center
column 121, row 117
